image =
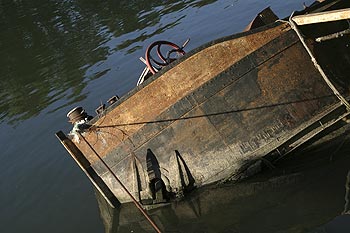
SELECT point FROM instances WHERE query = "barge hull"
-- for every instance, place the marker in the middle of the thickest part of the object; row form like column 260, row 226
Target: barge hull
column 211, row 115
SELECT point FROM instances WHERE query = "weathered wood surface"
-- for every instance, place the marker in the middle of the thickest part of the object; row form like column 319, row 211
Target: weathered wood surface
column 322, row 17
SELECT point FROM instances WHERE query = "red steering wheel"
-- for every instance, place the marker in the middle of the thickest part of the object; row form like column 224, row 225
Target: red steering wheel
column 165, row 60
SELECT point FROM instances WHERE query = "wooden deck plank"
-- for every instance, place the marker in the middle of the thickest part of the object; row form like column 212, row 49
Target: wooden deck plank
column 322, row 17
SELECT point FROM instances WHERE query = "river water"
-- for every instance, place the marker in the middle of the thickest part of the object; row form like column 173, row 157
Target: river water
column 56, row 55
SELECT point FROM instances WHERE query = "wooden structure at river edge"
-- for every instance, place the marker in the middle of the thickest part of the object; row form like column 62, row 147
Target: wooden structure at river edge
column 219, row 112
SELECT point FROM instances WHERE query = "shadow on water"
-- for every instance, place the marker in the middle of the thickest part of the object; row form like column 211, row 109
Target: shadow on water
column 46, row 47
column 305, row 193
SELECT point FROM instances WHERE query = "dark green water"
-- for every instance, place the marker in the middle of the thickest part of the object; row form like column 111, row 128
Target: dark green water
column 55, row 55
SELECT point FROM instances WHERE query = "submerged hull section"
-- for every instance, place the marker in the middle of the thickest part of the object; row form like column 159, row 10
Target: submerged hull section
column 214, row 114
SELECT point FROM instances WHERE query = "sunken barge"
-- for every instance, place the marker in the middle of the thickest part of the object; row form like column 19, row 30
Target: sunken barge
column 218, row 112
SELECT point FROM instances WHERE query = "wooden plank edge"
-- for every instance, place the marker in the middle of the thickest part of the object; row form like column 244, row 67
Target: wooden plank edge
column 322, row 17
column 85, row 166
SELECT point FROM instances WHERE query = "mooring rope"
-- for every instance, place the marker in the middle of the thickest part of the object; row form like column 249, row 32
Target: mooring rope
column 347, row 193
column 318, row 67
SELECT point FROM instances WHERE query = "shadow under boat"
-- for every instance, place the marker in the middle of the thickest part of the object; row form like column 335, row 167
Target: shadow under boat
column 218, row 113
column 304, row 193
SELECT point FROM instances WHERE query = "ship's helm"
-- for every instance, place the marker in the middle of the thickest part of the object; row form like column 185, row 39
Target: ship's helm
column 158, row 48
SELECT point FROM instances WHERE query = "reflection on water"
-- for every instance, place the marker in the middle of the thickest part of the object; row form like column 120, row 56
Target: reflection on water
column 304, row 193
column 47, row 47
column 56, row 54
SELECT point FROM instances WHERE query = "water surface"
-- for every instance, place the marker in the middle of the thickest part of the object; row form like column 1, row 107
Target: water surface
column 56, row 55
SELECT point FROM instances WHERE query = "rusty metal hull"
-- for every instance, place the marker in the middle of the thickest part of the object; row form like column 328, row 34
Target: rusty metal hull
column 216, row 114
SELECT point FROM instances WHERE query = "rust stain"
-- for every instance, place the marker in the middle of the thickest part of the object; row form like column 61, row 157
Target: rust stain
column 287, row 75
column 173, row 85
column 292, row 63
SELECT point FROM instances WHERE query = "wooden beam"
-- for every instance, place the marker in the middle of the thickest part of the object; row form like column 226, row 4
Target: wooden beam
column 85, row 165
column 322, row 17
